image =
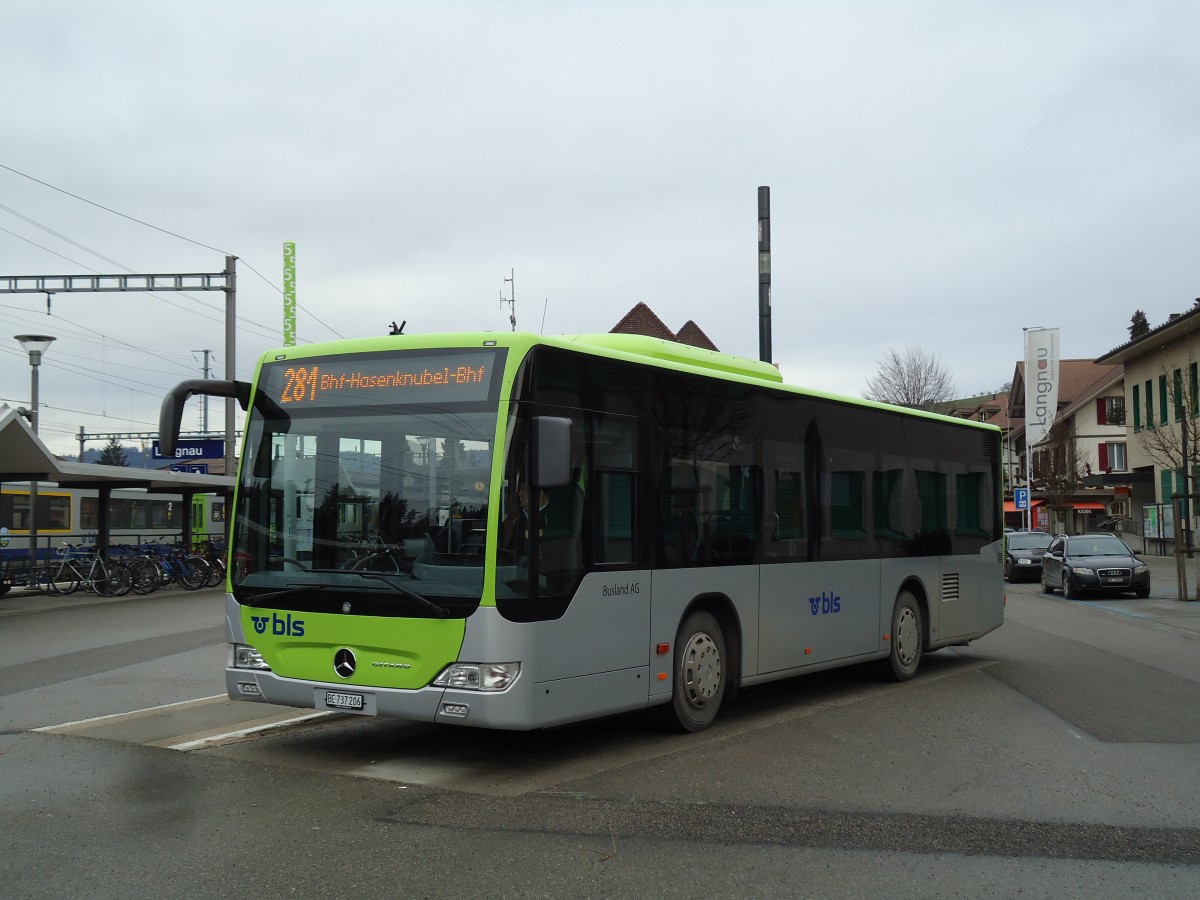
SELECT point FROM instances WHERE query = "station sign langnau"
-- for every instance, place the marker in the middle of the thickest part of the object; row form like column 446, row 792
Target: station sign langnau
column 201, row 449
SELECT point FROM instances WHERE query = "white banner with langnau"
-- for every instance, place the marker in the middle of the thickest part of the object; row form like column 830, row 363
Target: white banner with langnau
column 1041, row 383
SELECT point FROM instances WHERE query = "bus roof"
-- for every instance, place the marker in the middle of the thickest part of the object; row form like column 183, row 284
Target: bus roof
column 630, row 347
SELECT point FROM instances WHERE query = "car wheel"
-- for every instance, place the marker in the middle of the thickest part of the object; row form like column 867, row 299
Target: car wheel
column 1143, row 592
column 1046, row 589
column 1007, row 570
column 1070, row 591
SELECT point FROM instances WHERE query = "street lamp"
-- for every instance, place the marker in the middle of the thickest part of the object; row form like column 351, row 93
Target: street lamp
column 35, row 345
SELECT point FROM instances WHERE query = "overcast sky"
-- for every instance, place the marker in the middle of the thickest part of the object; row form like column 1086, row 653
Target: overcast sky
column 941, row 173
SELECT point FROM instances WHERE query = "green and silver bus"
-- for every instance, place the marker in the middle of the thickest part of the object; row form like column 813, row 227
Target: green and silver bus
column 518, row 531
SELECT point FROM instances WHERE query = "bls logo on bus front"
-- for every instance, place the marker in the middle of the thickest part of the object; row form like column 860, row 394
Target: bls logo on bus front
column 825, row 604
column 280, row 627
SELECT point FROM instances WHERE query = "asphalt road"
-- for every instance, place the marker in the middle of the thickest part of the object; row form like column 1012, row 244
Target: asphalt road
column 1054, row 758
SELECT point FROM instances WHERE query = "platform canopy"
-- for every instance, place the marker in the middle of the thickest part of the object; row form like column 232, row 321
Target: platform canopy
column 23, row 457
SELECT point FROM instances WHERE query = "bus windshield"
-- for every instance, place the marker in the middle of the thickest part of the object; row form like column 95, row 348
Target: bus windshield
column 372, row 494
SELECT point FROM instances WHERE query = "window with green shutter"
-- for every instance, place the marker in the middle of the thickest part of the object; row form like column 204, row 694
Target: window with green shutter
column 846, row 504
column 968, row 495
column 931, row 492
column 886, row 504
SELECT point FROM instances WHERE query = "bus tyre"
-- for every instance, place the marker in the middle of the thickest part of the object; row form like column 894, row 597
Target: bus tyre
column 907, row 639
column 699, row 677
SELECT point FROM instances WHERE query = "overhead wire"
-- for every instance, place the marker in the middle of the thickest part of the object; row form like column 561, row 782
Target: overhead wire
column 162, row 231
column 245, row 322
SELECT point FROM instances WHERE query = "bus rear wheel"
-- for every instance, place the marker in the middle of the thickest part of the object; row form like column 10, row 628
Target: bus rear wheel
column 699, row 684
column 907, row 639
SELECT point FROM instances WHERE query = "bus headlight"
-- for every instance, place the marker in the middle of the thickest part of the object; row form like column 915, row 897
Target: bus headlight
column 478, row 676
column 246, row 657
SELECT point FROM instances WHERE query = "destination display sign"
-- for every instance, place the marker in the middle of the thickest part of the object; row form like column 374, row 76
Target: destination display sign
column 380, row 378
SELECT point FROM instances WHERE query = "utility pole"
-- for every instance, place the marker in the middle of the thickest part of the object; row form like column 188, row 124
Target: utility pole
column 207, row 373
column 764, row 274
column 512, row 302
column 219, row 281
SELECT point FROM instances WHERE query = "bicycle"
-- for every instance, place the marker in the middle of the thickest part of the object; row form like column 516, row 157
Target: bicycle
column 189, row 572
column 107, row 578
column 144, row 572
column 213, row 553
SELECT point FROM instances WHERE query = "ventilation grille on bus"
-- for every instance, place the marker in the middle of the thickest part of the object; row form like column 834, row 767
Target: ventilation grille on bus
column 950, row 587
column 991, row 446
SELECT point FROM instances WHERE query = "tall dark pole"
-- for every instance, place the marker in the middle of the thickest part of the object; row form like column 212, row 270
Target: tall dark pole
column 1185, row 527
column 764, row 274
column 230, row 361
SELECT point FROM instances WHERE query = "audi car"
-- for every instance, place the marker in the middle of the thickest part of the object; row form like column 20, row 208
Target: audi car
column 1023, row 553
column 1093, row 563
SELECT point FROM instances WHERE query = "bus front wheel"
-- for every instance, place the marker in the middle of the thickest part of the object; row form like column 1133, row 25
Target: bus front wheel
column 907, row 639
column 699, row 672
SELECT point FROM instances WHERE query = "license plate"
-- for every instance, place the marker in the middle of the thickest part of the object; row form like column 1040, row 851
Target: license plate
column 1114, row 580
column 338, row 700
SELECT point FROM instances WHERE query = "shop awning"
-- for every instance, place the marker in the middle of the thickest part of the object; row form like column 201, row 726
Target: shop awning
column 1011, row 506
column 1088, row 504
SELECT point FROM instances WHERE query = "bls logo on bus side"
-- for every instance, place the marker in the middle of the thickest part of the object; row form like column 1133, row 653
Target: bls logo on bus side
column 825, row 604
column 280, row 627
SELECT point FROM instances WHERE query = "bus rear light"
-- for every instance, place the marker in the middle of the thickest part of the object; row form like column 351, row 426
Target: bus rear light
column 478, row 676
column 663, row 649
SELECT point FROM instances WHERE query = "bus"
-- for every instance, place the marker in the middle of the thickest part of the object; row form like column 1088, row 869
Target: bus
column 518, row 531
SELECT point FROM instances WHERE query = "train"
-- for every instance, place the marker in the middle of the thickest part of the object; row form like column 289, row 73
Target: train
column 72, row 516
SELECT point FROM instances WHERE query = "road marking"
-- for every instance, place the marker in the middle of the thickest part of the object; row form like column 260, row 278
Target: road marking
column 231, row 736
column 133, row 714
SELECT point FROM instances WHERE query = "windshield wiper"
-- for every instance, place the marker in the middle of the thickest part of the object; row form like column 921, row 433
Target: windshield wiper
column 286, row 592
column 391, row 582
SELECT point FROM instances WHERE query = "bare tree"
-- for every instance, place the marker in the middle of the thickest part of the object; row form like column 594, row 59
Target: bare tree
column 913, row 378
column 1058, row 469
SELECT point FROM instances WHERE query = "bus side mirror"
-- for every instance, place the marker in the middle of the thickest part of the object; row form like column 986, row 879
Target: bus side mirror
column 551, row 451
column 170, row 415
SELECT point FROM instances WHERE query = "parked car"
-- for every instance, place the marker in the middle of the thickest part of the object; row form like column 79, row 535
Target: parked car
column 1098, row 563
column 1023, row 551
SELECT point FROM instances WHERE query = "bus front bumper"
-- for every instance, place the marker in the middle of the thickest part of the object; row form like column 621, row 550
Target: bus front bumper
column 509, row 709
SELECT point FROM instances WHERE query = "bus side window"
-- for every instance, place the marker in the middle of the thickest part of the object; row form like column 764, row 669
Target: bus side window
column 614, row 461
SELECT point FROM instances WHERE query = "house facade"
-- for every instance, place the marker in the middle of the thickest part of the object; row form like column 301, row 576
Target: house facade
column 1161, row 392
column 1088, row 438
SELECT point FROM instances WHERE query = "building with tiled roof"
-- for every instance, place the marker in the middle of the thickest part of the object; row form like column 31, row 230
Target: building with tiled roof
column 1162, row 394
column 1091, row 403
column 642, row 320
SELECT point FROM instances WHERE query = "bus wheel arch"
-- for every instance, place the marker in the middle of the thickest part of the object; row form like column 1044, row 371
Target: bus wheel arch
column 706, row 662
column 908, row 633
